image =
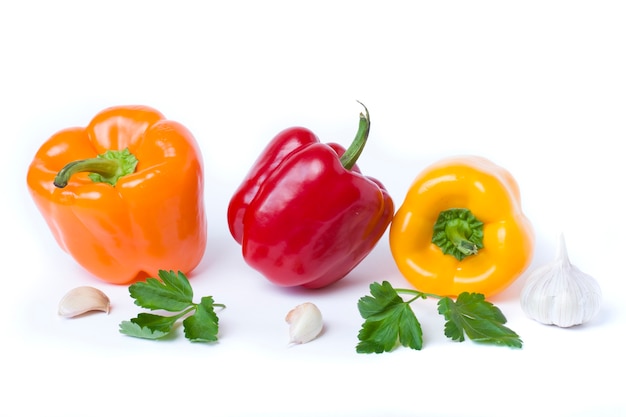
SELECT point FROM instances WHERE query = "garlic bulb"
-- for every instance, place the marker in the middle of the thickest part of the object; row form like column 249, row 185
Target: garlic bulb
column 305, row 323
column 80, row 300
column 561, row 294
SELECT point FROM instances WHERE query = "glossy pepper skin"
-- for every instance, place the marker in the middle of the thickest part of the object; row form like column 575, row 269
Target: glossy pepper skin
column 301, row 216
column 487, row 250
column 152, row 218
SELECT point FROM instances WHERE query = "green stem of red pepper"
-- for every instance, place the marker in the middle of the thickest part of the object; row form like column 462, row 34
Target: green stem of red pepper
column 349, row 158
column 108, row 167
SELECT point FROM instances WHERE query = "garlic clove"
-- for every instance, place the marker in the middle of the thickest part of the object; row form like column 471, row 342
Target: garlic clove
column 561, row 294
column 81, row 300
column 305, row 323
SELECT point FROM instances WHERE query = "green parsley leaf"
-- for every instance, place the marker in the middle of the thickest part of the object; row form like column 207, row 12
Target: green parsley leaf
column 389, row 320
column 202, row 326
column 154, row 322
column 477, row 318
column 133, row 329
column 172, row 292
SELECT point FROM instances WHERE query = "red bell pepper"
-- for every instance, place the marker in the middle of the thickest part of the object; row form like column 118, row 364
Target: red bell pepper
column 304, row 214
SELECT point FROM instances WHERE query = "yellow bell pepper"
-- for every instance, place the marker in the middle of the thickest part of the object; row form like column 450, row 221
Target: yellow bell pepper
column 461, row 228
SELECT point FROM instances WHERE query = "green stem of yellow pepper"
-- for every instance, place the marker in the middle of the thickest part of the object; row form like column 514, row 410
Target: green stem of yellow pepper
column 458, row 232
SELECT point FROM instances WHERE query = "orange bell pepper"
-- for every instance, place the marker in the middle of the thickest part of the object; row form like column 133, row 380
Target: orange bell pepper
column 461, row 228
column 124, row 195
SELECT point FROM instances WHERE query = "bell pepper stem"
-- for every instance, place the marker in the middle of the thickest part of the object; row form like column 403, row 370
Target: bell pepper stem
column 458, row 232
column 103, row 167
column 351, row 155
column 108, row 167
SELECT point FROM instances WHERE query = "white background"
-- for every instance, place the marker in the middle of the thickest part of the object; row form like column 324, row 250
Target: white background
column 538, row 87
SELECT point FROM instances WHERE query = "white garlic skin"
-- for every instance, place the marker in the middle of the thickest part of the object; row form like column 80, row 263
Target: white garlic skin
column 305, row 323
column 561, row 294
column 81, row 300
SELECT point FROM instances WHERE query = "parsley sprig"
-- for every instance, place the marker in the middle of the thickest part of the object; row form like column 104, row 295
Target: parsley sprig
column 390, row 320
column 172, row 292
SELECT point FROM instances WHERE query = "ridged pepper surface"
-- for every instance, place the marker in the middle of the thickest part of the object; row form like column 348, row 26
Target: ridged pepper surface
column 304, row 214
column 461, row 228
column 123, row 195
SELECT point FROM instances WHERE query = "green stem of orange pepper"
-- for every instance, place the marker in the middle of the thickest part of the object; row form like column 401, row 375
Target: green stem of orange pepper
column 108, row 167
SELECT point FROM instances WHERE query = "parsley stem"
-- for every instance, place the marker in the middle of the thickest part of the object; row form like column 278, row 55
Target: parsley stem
column 193, row 307
column 417, row 294
column 185, row 312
